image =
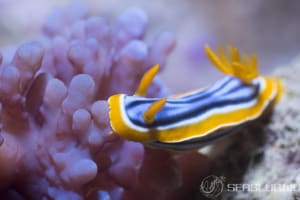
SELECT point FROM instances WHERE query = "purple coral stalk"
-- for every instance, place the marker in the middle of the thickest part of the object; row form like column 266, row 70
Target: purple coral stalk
column 54, row 115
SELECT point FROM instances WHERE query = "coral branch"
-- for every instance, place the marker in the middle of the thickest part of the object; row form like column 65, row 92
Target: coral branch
column 54, row 122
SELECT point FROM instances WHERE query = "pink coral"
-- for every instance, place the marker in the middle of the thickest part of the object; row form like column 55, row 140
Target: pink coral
column 55, row 141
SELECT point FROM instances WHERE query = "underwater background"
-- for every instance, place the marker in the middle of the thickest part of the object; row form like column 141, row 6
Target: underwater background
column 61, row 60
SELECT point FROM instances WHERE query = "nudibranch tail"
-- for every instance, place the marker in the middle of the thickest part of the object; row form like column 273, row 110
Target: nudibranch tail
column 230, row 63
column 147, row 80
column 279, row 88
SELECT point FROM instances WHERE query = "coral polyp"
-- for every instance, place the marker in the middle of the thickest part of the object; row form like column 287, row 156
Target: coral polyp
column 55, row 141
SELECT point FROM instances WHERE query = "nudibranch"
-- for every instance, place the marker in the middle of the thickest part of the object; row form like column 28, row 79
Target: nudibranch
column 194, row 119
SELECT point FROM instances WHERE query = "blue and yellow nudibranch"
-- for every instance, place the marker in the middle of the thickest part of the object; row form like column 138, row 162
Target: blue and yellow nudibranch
column 193, row 119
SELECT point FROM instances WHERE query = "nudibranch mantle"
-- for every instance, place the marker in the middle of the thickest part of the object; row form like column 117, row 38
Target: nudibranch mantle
column 191, row 120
